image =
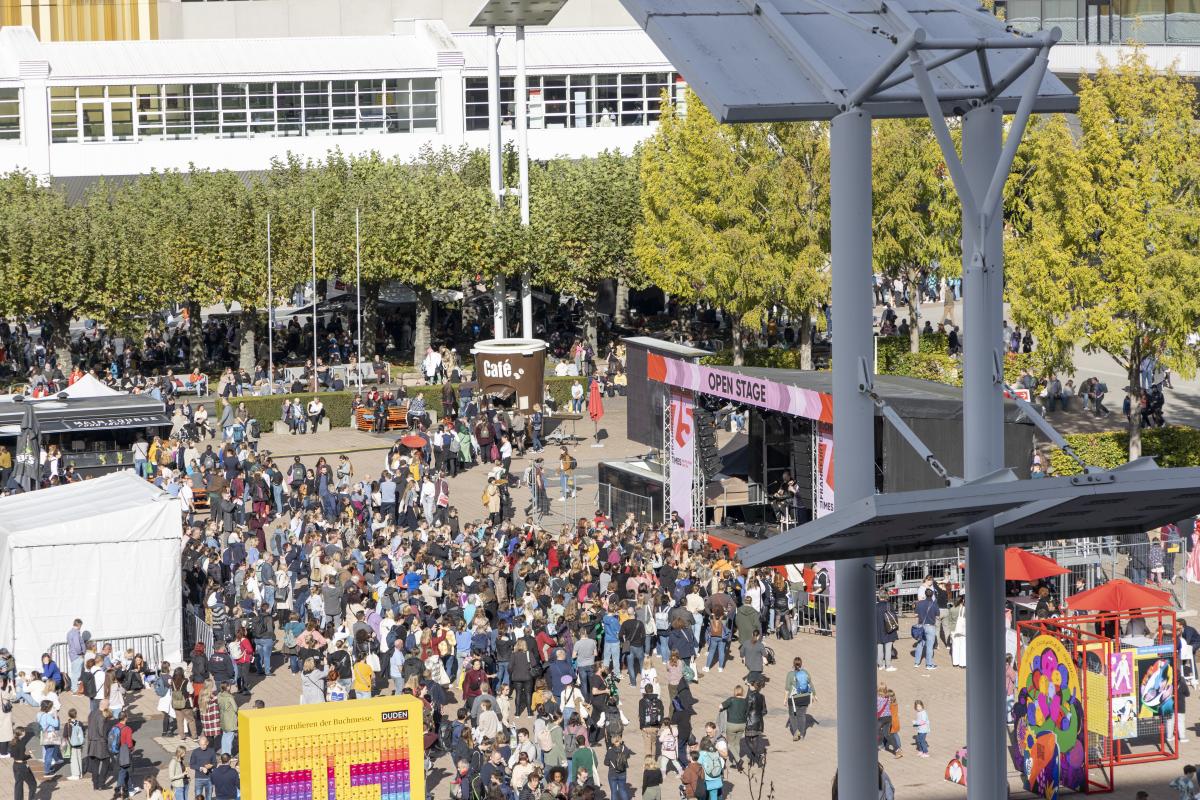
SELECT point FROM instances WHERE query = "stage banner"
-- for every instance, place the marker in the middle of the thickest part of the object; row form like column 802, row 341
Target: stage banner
column 334, row 751
column 751, row 391
column 823, row 502
column 682, row 454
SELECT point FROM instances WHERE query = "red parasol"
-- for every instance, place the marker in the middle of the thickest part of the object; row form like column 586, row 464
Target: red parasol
column 595, row 403
column 1022, row 565
column 413, row 440
column 1118, row 595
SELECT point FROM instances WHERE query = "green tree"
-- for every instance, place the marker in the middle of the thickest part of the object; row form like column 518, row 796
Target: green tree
column 60, row 262
column 583, row 213
column 1106, row 252
column 211, row 246
column 916, row 212
column 736, row 216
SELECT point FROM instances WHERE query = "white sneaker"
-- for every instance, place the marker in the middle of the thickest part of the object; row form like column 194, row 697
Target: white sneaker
column 720, row 669
column 891, row 669
column 706, row 668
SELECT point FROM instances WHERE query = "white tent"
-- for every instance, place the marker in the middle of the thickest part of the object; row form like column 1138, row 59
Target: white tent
column 104, row 550
column 89, row 386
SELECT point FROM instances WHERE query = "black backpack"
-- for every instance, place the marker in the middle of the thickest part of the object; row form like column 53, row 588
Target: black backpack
column 653, row 716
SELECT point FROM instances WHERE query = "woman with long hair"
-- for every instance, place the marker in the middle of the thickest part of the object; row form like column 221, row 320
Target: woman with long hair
column 181, row 704
column 113, row 692
column 177, row 773
column 22, row 774
column 209, row 711
column 51, row 738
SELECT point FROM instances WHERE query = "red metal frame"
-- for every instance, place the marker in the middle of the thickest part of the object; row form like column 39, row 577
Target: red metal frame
column 1081, row 636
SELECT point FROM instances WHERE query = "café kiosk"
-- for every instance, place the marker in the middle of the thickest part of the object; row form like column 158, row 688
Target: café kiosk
column 511, row 371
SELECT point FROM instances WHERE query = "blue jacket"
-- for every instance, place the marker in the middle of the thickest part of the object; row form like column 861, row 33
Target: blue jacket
column 612, row 628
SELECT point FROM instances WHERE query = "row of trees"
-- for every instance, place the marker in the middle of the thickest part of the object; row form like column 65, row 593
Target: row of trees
column 1101, row 217
column 130, row 249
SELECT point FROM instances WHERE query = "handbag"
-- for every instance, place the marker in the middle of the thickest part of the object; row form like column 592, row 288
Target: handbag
column 51, row 738
column 918, row 632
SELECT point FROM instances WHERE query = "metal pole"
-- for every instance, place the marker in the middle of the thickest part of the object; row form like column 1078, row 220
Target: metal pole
column 315, row 383
column 983, row 452
column 495, row 152
column 853, row 435
column 270, row 312
column 522, row 107
column 358, row 288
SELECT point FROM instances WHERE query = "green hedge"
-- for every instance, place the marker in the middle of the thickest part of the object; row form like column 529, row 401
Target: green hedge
column 1172, row 446
column 267, row 409
column 891, row 348
column 772, row 357
column 936, row 367
column 338, row 404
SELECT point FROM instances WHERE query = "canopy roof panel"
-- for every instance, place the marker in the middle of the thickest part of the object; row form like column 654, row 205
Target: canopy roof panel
column 786, row 60
column 1131, row 499
column 517, row 12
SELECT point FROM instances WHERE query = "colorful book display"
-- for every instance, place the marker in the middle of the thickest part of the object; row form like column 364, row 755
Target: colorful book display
column 354, row 750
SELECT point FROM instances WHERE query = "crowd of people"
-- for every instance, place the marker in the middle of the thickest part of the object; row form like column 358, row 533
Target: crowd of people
column 516, row 639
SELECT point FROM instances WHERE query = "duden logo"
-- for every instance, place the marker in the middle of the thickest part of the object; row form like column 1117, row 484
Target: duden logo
column 393, row 716
column 501, row 369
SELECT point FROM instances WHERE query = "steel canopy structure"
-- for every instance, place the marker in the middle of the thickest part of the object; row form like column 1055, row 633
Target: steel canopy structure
column 847, row 62
column 792, row 60
column 1133, row 498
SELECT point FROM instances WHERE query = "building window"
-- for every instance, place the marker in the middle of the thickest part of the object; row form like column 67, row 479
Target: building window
column 574, row 101
column 192, row 111
column 10, row 115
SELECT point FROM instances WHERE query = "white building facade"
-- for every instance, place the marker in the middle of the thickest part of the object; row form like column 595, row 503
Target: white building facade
column 128, row 107
column 371, row 81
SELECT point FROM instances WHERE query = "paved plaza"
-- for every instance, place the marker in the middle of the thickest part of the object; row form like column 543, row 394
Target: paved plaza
column 794, row 768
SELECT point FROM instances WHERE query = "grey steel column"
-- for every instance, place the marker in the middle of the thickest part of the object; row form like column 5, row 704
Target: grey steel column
column 522, row 109
column 854, row 440
column 983, row 452
column 495, row 153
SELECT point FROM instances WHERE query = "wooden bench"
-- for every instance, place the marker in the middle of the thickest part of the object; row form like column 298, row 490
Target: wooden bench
column 397, row 418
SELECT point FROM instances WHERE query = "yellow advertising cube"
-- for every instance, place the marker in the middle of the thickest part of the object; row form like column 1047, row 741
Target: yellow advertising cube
column 354, row 750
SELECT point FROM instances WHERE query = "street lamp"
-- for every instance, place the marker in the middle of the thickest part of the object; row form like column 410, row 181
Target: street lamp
column 516, row 14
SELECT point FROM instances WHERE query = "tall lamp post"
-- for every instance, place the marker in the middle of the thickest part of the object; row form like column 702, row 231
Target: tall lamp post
column 519, row 14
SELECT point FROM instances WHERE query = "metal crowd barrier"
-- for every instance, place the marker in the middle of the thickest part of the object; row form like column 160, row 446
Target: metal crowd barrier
column 149, row 646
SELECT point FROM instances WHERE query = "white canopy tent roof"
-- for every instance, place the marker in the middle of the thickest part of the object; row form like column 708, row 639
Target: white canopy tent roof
column 89, row 386
column 104, row 550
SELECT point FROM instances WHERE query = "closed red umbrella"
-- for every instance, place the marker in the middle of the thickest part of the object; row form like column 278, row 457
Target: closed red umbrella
column 595, row 402
column 1118, row 595
column 595, row 409
column 1022, row 565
